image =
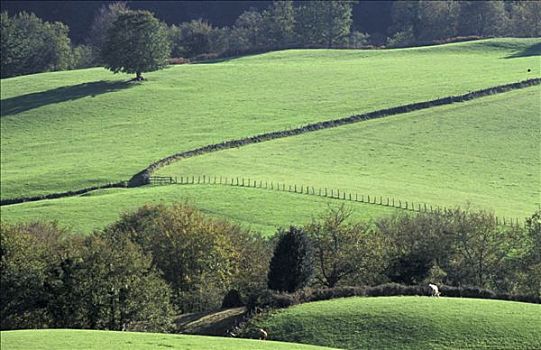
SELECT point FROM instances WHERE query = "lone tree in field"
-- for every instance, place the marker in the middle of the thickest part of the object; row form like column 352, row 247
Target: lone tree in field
column 291, row 265
column 137, row 42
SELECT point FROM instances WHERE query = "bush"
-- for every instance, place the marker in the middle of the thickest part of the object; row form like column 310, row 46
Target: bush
column 401, row 39
column 178, row 60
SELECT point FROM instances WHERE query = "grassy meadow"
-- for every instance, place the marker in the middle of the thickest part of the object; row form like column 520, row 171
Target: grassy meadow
column 257, row 209
column 69, row 130
column 409, row 323
column 63, row 339
column 481, row 152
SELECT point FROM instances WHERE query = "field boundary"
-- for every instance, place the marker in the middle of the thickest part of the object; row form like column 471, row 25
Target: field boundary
column 142, row 177
column 324, row 192
column 121, row 184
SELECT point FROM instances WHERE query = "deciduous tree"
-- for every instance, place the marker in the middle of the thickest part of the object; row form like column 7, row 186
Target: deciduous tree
column 137, row 42
column 345, row 251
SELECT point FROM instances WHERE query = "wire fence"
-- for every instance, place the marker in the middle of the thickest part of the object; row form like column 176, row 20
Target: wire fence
column 326, row 192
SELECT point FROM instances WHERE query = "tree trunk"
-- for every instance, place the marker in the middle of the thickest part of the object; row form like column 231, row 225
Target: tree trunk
column 139, row 76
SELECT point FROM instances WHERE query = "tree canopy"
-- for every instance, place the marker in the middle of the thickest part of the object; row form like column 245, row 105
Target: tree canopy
column 137, row 42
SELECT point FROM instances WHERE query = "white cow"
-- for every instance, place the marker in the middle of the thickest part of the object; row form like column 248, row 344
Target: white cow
column 434, row 290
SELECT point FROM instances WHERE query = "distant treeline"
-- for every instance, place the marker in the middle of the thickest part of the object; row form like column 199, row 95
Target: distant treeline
column 140, row 272
column 30, row 45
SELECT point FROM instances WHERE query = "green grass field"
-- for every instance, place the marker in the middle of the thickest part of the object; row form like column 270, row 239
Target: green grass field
column 409, row 323
column 483, row 152
column 258, row 209
column 62, row 339
column 69, row 130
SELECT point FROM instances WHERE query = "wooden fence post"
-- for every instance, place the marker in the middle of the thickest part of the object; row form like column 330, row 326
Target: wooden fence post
column 368, row 198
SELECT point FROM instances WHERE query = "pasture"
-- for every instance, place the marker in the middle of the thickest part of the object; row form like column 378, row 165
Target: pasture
column 68, row 130
column 408, row 323
column 478, row 153
column 257, row 209
column 63, row 339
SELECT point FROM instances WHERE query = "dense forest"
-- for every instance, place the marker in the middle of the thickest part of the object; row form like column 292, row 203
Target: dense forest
column 369, row 16
column 73, row 35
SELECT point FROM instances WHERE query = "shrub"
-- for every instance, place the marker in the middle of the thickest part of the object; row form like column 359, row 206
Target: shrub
column 401, row 39
column 178, row 60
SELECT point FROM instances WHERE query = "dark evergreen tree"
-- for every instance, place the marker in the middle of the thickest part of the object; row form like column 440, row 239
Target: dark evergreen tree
column 136, row 43
column 291, row 266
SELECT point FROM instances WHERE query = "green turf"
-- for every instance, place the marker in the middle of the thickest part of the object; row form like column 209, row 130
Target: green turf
column 409, row 323
column 484, row 152
column 258, row 209
column 68, row 130
column 62, row 339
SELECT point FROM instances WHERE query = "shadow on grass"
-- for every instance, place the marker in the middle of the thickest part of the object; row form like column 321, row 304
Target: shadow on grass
column 533, row 50
column 24, row 103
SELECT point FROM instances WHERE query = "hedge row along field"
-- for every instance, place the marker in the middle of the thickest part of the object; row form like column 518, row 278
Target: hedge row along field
column 50, row 146
column 479, row 153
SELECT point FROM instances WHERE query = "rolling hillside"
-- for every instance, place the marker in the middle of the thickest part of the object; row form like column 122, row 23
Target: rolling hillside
column 60, row 339
column 261, row 210
column 479, row 152
column 409, row 323
column 68, row 130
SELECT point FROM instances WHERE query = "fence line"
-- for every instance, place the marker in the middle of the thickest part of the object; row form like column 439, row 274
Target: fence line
column 325, row 192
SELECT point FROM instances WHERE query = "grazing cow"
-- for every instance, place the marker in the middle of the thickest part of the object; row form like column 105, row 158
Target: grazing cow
column 262, row 334
column 435, row 292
